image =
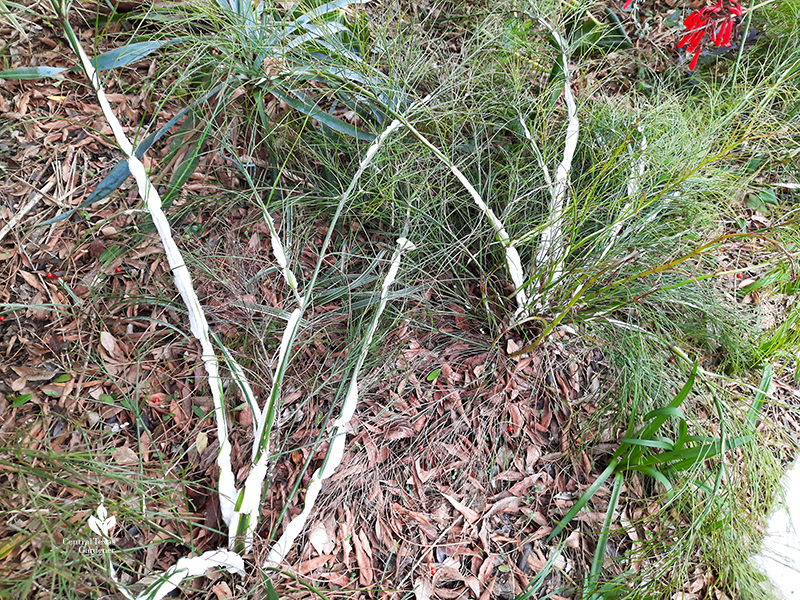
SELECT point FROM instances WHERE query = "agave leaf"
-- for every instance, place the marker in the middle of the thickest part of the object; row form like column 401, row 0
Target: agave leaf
column 120, row 57
column 314, row 32
column 31, row 72
column 121, row 171
column 307, row 108
column 326, row 8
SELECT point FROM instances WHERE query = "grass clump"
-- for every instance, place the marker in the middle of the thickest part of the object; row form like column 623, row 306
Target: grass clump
column 607, row 279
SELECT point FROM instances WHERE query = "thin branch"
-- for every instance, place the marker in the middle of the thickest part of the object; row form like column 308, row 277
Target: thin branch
column 552, row 251
column 336, row 446
column 35, row 197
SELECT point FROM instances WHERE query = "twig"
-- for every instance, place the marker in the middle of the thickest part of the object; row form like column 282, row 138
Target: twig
column 38, row 195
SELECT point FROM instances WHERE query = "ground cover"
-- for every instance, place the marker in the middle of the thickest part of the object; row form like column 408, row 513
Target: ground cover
column 583, row 378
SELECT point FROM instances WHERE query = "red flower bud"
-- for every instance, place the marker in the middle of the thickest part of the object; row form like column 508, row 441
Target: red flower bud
column 693, row 64
column 728, row 28
column 49, row 275
column 2, row 318
column 118, row 270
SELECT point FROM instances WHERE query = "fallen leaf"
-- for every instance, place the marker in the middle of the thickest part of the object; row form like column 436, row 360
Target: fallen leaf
column 505, row 505
column 487, row 591
column 308, row 566
column 318, row 536
column 339, row 579
column 470, row 515
column 423, row 589
column 108, row 342
column 364, row 564
column 222, row 591
column 124, row 456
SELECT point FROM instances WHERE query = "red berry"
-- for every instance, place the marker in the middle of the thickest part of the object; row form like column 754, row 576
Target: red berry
column 2, row 318
column 510, row 428
column 297, row 347
column 118, row 270
column 49, row 275
column 671, row 359
column 738, row 276
column 433, row 571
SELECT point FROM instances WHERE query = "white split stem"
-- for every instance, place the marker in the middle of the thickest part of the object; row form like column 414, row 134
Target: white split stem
column 513, row 261
column 183, row 282
column 192, row 567
column 337, row 444
column 251, row 491
column 552, row 251
column 637, row 170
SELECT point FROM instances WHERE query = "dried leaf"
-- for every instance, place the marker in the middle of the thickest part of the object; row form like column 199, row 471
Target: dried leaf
column 339, row 579
column 222, row 591
column 318, row 536
column 124, row 456
column 308, row 566
column 364, row 563
column 108, row 342
column 470, row 515
column 423, row 589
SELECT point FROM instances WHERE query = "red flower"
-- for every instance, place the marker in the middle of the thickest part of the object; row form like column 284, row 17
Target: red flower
column 717, row 20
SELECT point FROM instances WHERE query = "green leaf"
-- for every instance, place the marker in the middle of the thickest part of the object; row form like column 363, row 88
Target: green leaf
column 110, row 254
column 768, row 196
column 31, row 72
column 761, row 395
column 121, row 170
column 664, row 445
column 63, row 378
column 119, row 57
column 327, row 8
column 655, row 474
column 21, row 399
column 307, row 108
column 271, row 593
column 587, row 495
column 199, row 412
column 433, row 374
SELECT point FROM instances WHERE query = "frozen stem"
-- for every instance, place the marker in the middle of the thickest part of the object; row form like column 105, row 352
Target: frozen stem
column 637, row 170
column 337, row 444
column 513, row 261
column 552, row 250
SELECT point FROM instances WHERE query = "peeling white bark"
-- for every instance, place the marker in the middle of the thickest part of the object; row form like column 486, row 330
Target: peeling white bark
column 192, row 567
column 552, row 250
column 513, row 261
column 337, row 444
column 637, row 171
column 183, row 282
